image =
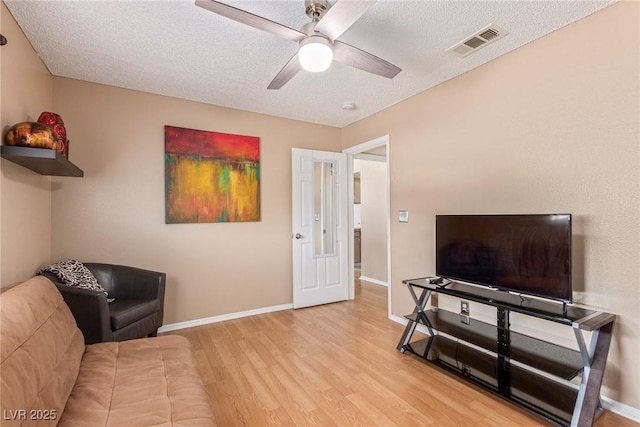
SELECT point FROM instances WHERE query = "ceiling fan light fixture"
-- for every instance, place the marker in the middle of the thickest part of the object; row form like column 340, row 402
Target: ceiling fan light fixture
column 315, row 53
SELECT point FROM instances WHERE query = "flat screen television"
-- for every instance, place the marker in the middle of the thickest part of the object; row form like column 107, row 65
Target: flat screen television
column 528, row 254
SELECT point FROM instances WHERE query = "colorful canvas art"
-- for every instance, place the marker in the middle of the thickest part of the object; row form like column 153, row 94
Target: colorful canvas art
column 211, row 176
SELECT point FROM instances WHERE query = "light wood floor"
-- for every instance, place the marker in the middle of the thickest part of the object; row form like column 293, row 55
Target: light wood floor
column 337, row 365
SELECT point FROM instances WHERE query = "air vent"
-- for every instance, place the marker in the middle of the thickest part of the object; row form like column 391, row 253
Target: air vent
column 478, row 40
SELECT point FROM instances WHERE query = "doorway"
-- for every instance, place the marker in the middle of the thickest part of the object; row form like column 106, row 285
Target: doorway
column 370, row 160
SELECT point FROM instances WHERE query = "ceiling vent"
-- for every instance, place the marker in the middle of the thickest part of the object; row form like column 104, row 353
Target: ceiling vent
column 478, row 40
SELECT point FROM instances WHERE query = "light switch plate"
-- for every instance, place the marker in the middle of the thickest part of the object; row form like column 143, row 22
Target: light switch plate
column 403, row 216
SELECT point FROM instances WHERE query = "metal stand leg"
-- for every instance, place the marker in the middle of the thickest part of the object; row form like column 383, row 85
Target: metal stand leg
column 594, row 360
column 420, row 303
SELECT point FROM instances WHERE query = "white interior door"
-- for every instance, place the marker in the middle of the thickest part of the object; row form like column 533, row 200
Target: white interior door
column 319, row 227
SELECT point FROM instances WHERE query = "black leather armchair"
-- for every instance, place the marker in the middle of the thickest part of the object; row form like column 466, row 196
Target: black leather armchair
column 136, row 312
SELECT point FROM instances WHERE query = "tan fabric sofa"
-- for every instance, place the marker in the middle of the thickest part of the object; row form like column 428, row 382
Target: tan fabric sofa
column 49, row 377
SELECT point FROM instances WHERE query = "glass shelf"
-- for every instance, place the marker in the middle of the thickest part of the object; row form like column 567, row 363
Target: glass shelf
column 551, row 358
column 547, row 398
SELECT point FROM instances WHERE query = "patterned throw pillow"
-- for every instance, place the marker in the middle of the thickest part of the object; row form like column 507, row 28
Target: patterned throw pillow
column 74, row 273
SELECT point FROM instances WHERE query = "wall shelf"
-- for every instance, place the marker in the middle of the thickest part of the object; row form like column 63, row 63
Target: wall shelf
column 41, row 160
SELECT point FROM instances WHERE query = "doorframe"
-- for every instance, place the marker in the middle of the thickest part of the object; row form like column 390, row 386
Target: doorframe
column 351, row 153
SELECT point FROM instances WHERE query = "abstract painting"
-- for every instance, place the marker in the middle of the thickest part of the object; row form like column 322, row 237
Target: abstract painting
column 211, row 176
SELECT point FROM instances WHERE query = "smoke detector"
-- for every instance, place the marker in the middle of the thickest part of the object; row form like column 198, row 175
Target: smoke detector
column 478, row 40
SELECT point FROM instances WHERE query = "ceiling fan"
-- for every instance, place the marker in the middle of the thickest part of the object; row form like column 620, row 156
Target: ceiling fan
column 317, row 40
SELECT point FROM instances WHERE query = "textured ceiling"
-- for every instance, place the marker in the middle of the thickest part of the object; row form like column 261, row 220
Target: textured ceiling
column 176, row 49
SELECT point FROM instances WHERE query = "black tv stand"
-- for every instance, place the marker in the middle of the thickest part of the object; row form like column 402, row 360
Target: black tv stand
column 536, row 375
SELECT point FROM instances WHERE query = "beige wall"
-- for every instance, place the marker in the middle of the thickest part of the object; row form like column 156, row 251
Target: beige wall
column 25, row 196
column 115, row 213
column 550, row 127
column 373, row 195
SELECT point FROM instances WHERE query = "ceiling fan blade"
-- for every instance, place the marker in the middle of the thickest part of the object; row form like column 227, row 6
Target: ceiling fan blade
column 349, row 55
column 250, row 19
column 286, row 74
column 341, row 16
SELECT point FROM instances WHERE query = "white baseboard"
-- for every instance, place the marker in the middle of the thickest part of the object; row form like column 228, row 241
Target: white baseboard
column 621, row 409
column 374, row 281
column 612, row 405
column 398, row 319
column 223, row 317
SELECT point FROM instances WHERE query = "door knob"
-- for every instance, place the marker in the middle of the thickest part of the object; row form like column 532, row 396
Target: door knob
column 298, row 236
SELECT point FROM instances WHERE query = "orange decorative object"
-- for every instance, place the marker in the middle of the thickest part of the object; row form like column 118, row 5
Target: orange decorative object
column 32, row 134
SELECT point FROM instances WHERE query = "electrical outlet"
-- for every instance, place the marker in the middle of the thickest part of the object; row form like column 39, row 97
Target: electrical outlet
column 464, row 307
column 464, row 313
